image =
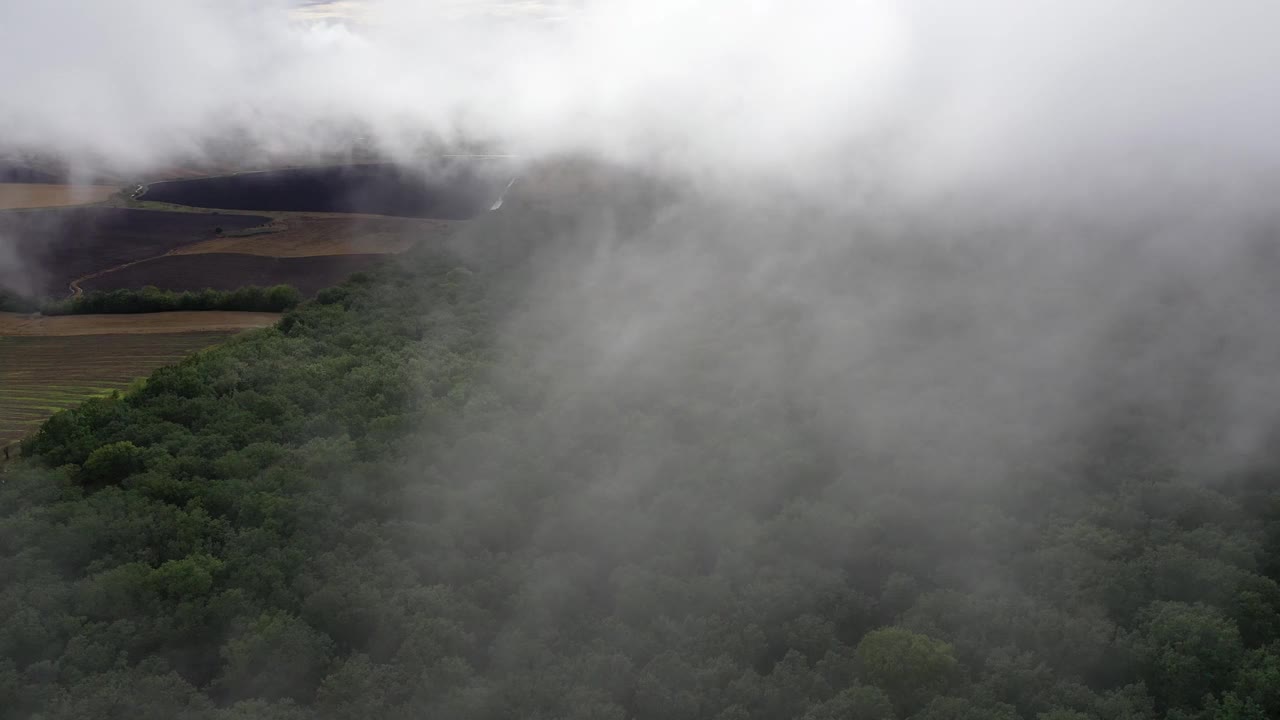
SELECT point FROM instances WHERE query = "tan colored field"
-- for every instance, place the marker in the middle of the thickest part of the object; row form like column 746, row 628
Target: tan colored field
column 42, row 375
column 20, row 195
column 16, row 325
column 309, row 236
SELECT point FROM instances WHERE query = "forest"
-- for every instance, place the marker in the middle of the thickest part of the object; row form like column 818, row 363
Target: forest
column 391, row 505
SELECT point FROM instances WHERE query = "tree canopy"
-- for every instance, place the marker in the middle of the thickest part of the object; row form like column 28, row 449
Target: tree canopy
column 362, row 513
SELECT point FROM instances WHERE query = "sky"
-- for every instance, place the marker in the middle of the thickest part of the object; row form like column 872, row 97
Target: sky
column 354, row 11
column 929, row 93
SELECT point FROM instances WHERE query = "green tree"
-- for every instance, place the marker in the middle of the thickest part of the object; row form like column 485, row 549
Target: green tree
column 954, row 708
column 1188, row 652
column 112, row 463
column 141, row 693
column 911, row 668
column 1232, row 707
column 190, row 577
column 276, row 657
column 1063, row 714
column 1259, row 680
column 862, row 702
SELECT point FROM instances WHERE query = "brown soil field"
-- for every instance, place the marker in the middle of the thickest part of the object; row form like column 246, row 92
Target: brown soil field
column 53, row 247
column 14, row 324
column 41, row 375
column 20, row 195
column 226, row 271
column 307, row 236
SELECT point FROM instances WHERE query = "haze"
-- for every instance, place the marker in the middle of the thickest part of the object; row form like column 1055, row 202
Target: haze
column 776, row 282
column 942, row 93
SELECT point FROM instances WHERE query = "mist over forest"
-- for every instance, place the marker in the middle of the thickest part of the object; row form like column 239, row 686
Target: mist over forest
column 888, row 361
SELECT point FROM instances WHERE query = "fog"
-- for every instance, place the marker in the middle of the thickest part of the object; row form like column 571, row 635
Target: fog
column 764, row 265
column 985, row 224
column 962, row 206
column 1055, row 96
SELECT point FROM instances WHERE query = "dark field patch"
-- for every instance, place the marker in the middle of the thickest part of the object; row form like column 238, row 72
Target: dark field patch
column 302, row 236
column 46, row 249
column 458, row 192
column 225, row 271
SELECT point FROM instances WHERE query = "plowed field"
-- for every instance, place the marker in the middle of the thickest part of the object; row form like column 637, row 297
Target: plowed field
column 12, row 324
column 42, row 375
column 307, row 236
column 54, row 247
column 230, row 271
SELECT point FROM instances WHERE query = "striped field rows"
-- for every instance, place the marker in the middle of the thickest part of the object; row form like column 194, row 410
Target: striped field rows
column 42, row 375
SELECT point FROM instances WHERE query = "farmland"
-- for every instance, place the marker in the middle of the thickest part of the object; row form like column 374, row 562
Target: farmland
column 228, row 271
column 40, row 375
column 13, row 324
column 49, row 363
column 456, row 192
column 40, row 195
column 110, row 248
column 304, row 236
column 58, row 246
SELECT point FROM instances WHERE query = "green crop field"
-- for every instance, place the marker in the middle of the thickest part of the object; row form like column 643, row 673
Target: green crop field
column 42, row 375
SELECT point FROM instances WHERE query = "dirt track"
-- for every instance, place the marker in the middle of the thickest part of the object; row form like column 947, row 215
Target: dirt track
column 14, row 324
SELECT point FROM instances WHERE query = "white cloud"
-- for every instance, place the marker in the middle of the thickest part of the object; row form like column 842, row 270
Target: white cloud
column 930, row 92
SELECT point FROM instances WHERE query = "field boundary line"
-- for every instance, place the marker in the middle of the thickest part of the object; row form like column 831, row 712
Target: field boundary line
column 77, row 291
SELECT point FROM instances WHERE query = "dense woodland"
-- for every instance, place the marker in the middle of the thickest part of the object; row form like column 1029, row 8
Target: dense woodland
column 383, row 509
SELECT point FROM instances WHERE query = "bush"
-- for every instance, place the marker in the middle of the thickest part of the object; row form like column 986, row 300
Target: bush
column 112, row 463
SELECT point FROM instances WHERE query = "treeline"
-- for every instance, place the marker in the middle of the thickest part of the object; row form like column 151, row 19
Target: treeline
column 252, row 298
